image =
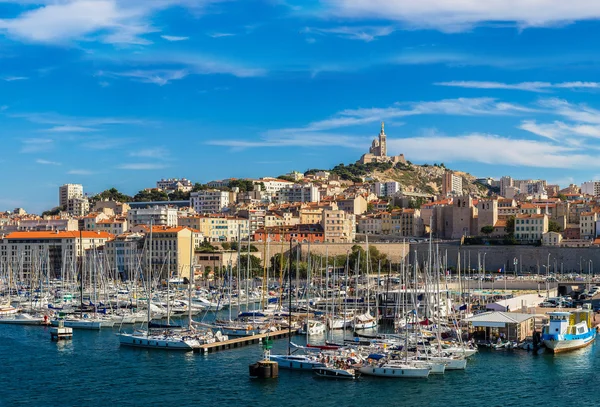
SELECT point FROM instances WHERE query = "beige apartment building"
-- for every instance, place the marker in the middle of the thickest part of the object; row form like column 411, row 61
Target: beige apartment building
column 338, row 226
column 529, row 228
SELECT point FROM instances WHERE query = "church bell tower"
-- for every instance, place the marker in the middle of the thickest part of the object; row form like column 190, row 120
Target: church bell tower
column 382, row 142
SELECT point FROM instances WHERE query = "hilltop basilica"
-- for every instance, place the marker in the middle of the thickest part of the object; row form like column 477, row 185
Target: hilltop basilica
column 378, row 151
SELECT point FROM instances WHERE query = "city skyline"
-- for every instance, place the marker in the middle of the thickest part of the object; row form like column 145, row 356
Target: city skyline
column 122, row 93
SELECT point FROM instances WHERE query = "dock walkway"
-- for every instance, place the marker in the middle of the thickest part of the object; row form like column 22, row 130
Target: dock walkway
column 242, row 341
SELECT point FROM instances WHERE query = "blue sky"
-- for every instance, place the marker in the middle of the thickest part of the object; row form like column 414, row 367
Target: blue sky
column 124, row 92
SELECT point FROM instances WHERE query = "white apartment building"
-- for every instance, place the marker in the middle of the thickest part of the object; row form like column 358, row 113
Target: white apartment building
column 157, row 215
column 69, row 191
column 298, row 193
column 175, row 184
column 591, row 188
column 389, row 188
column 209, row 201
column 274, row 185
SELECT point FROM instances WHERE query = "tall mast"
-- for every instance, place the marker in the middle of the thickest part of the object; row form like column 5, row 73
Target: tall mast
column 192, row 277
column 289, row 296
column 149, row 276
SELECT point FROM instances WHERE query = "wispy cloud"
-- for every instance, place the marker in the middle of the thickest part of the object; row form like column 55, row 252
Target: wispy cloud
column 46, row 162
column 80, row 172
column 526, row 86
column 452, row 16
column 159, row 77
column 104, row 143
column 190, row 63
column 220, row 35
column 141, row 166
column 70, row 129
column 492, row 149
column 321, row 132
column 174, row 38
column 157, row 152
column 362, row 33
column 14, row 78
column 35, row 145
column 74, row 121
column 108, row 21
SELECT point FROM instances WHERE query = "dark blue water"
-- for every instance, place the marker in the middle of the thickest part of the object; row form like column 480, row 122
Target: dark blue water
column 92, row 370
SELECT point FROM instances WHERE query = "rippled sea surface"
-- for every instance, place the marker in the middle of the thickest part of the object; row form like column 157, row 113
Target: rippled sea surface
column 92, row 370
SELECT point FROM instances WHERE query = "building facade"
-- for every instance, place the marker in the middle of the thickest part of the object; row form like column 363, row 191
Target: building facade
column 209, row 201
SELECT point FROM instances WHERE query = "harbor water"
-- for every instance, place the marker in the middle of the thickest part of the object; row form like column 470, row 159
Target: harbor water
column 93, row 370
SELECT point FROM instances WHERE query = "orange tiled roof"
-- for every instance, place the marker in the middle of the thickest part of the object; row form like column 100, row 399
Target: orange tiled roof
column 59, row 235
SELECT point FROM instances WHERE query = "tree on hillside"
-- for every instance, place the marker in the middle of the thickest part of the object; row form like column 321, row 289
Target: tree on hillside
column 179, row 196
column 112, row 194
column 152, row 195
column 256, row 267
column 286, row 178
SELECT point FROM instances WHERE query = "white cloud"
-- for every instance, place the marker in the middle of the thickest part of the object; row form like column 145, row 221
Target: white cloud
column 574, row 112
column 453, row 16
column 141, row 166
column 158, row 77
column 220, row 35
column 14, row 78
column 174, row 38
column 194, row 63
column 157, row 152
column 46, row 162
column 362, row 33
column 526, row 86
column 318, row 132
column 558, row 130
column 34, row 145
column 109, row 21
column 70, row 129
column 493, row 150
column 80, row 172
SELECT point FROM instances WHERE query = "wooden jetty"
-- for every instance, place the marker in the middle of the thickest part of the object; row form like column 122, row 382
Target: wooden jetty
column 242, row 341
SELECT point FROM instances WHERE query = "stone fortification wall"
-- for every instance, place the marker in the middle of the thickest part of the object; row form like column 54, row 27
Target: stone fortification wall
column 529, row 258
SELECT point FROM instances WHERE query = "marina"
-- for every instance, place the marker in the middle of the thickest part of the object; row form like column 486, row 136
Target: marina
column 94, row 361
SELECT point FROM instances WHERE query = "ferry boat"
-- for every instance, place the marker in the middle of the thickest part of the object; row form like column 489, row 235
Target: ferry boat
column 569, row 330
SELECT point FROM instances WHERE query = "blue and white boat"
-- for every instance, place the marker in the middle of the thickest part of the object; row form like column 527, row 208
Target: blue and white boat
column 569, row 330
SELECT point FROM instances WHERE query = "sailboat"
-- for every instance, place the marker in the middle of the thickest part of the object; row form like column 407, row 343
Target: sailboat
column 165, row 339
column 290, row 361
column 366, row 320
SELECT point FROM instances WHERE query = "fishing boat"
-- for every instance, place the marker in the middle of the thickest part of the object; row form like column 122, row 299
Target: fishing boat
column 569, row 330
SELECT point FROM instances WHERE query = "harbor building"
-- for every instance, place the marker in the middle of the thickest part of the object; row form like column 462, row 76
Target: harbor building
column 59, row 250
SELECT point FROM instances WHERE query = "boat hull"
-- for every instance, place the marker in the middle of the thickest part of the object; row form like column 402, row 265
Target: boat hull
column 295, row 363
column 395, row 372
column 138, row 341
column 332, row 373
column 567, row 345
